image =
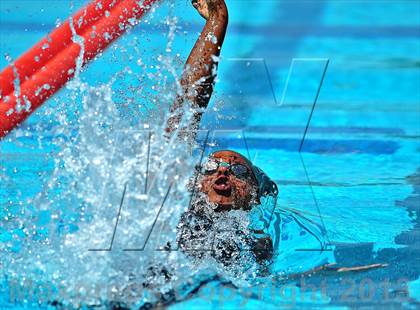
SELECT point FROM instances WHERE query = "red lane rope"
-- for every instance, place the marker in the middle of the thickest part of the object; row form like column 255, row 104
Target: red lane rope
column 57, row 40
column 44, row 69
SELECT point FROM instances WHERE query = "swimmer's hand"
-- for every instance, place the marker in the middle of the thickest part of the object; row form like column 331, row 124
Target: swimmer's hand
column 209, row 8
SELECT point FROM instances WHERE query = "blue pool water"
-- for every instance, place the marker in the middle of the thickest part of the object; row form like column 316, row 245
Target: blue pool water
column 357, row 174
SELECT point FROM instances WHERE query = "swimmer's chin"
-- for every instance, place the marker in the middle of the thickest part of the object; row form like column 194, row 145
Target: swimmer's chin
column 225, row 204
column 223, row 191
column 221, row 197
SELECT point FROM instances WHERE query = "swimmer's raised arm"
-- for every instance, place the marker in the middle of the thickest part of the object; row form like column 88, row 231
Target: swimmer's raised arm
column 201, row 67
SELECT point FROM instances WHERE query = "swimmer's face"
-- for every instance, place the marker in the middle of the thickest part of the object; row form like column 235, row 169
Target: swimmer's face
column 228, row 181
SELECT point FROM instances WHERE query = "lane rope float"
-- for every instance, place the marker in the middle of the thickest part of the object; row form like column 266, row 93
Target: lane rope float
column 41, row 71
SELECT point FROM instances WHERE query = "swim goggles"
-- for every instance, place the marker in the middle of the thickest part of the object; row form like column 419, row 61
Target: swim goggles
column 238, row 170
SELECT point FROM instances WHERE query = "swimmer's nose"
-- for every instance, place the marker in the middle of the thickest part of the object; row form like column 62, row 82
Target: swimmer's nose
column 222, row 170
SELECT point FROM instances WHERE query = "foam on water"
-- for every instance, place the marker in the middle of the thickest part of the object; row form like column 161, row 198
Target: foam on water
column 109, row 169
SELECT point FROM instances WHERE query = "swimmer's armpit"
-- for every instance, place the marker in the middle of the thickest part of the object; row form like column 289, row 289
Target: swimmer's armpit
column 201, row 67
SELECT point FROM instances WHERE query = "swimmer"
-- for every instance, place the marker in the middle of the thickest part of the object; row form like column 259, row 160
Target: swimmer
column 227, row 180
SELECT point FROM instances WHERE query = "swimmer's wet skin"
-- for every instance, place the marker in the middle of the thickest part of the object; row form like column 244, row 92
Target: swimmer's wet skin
column 200, row 70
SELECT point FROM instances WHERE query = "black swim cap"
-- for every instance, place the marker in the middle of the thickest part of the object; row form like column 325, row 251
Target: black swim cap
column 266, row 187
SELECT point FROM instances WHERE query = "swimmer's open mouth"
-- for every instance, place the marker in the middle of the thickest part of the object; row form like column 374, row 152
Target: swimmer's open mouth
column 222, row 187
